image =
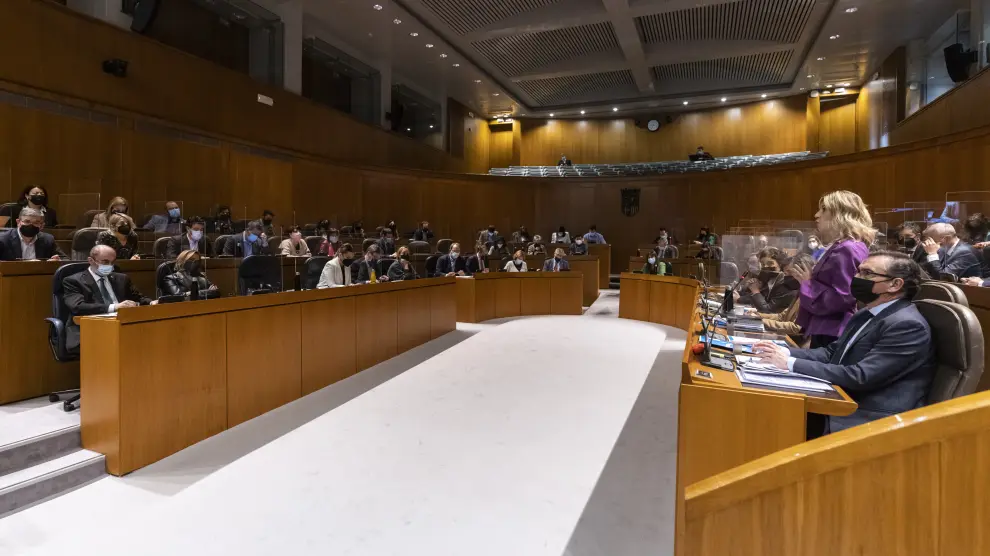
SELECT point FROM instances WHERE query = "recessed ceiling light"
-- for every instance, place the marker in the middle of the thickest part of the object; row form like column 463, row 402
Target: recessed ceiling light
column 377, row 6
column 764, row 95
column 802, row 88
column 840, row 90
column 615, row 109
column 456, row 65
column 408, row 129
column 414, row 34
column 811, row 76
column 443, row 54
column 477, row 81
column 724, row 99
column 429, row 45
column 495, row 94
column 582, row 112
column 431, row 126
column 820, row 58
column 845, row 84
column 240, row 16
column 833, row 37
column 396, row 21
column 852, row 10
column 551, row 114
column 828, row 86
column 685, row 103
column 522, row 114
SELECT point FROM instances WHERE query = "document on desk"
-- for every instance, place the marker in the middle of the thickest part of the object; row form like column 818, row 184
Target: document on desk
column 104, row 316
column 781, row 379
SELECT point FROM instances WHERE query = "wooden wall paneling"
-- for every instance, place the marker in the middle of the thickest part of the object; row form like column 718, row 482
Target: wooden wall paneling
column 324, row 362
column 634, row 300
column 258, row 183
column 264, row 366
column 500, row 147
column 465, row 290
column 966, row 508
column 323, row 191
column 194, row 396
column 377, row 329
column 484, row 302
column 838, row 126
column 813, row 116
column 534, row 297
column 414, row 327
column 443, row 310
column 663, row 304
column 507, row 298
column 565, row 296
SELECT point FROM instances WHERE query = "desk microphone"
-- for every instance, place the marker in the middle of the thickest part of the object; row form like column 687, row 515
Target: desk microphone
column 728, row 300
column 194, row 290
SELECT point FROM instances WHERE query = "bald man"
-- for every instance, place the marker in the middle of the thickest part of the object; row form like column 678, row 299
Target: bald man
column 98, row 290
column 947, row 254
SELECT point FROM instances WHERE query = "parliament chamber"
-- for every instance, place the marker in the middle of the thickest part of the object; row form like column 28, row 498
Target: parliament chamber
column 569, row 278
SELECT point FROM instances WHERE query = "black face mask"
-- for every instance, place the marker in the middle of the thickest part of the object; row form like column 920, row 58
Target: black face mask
column 862, row 290
column 491, row 230
column 38, row 199
column 347, row 262
column 267, row 221
column 29, row 230
column 404, row 257
column 223, row 215
column 124, row 230
column 910, row 242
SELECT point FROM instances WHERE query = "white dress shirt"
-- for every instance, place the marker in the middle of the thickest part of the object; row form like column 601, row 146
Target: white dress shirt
column 27, row 248
column 113, row 297
column 852, row 339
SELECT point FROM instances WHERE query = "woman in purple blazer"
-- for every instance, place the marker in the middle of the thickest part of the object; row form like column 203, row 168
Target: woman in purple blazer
column 826, row 302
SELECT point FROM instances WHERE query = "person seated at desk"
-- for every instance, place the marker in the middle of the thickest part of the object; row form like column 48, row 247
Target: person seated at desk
column 785, row 322
column 517, row 264
column 252, row 241
column 948, row 254
column 337, row 271
column 118, row 205
column 977, row 228
column 188, row 269
column 771, row 291
column 815, row 247
column 357, row 229
column 561, row 236
column 402, row 268
column 169, row 223
column 653, row 267
column 267, row 217
column 35, row 197
column 331, row 239
column 707, row 252
column 579, row 248
column 387, row 242
column 368, row 264
column 98, row 290
column 702, row 154
column 521, row 235
column 534, row 249
column 499, row 249
column 191, row 240
column 121, row 237
column 423, row 233
column 885, row 358
column 489, row 236
column 663, row 250
column 564, row 161
column 706, row 237
column 477, row 263
column 558, row 263
column 294, row 245
column 593, row 236
column 909, row 238
column 450, row 264
column 222, row 224
column 27, row 241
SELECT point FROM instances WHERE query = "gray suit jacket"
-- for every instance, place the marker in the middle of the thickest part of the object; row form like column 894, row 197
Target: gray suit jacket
column 887, row 369
column 963, row 262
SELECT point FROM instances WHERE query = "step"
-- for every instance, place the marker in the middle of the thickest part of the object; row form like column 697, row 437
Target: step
column 36, row 436
column 23, row 488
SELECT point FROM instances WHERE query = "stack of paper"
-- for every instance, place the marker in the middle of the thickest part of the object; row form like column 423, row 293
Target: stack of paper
column 778, row 379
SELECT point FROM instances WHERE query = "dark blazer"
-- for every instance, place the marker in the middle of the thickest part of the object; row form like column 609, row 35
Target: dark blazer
column 396, row 272
column 82, row 297
column 548, row 265
column 178, row 244
column 362, row 270
column 886, row 370
column 180, row 283
column 778, row 298
column 51, row 219
column 387, row 248
column 474, row 266
column 423, row 235
column 45, row 246
column 235, row 246
column 445, row 265
column 963, row 262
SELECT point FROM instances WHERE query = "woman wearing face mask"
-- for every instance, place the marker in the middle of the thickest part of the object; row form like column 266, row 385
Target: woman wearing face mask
column 35, row 197
column 330, row 243
column 827, row 301
column 121, row 237
column 222, row 223
column 579, row 247
column 815, row 248
column 188, row 269
column 783, row 322
column 118, row 205
column 772, row 291
column 536, row 248
column 295, row 245
column 499, row 249
column 561, row 236
column 517, row 264
column 337, row 272
column 654, row 267
column 402, row 268
column 909, row 236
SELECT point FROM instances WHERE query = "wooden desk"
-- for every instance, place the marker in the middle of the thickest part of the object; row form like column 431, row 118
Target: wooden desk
column 158, row 379
column 586, row 265
column 513, row 294
column 665, row 300
column 682, row 267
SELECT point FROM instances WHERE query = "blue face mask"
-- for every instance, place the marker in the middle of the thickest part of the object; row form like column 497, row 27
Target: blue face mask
column 252, row 237
column 174, row 213
column 105, row 269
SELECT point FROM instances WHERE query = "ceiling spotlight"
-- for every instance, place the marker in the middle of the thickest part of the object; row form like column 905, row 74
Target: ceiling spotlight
column 495, row 94
column 840, row 90
column 724, row 99
column 551, row 114
column 811, row 76
column 408, row 129
column 615, row 109
column 802, row 88
column 457, row 65
column 833, row 37
column 429, row 45
column 477, row 81
column 431, row 126
column 820, row 58
column 582, row 112
column 845, row 84
column 396, row 21
column 377, row 7
column 828, row 86
column 685, row 103
column 443, row 54
column 852, row 10
column 414, row 34
column 764, row 95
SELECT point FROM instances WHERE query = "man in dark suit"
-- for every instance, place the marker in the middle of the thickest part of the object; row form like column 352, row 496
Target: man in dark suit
column 364, row 266
column 884, row 359
column 98, row 290
column 27, row 241
column 558, row 263
column 252, row 241
column 423, row 233
column 451, row 263
column 948, row 254
column 193, row 240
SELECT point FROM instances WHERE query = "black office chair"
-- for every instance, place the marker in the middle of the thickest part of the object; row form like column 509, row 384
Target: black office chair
column 431, row 265
column 418, row 247
column 11, row 210
column 383, row 266
column 160, row 247
column 259, row 274
column 83, row 241
column 219, row 243
column 87, row 218
column 367, row 243
column 314, row 269
column 57, row 329
column 163, row 270
column 313, row 242
column 443, row 246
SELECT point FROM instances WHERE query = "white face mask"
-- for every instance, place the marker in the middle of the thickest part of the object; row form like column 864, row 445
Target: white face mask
column 104, row 269
column 196, row 234
column 652, row 260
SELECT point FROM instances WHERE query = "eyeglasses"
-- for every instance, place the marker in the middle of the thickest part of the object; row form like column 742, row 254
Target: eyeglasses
column 870, row 274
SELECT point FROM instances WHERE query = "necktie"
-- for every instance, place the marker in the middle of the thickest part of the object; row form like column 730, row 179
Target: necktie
column 104, row 291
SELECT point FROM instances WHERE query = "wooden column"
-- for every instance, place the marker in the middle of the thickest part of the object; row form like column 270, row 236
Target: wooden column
column 814, row 119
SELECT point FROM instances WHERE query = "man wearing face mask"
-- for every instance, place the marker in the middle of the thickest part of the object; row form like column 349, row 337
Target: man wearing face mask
column 369, row 263
column 169, row 223
column 884, row 358
column 451, row 264
column 98, row 290
column 489, row 236
column 252, row 241
column 521, row 235
column 423, row 233
column 267, row 217
column 558, row 263
column 222, row 223
column 663, row 250
column 579, row 248
column 948, row 254
column 337, row 272
column 909, row 236
column 27, row 242
column 387, row 242
column 192, row 240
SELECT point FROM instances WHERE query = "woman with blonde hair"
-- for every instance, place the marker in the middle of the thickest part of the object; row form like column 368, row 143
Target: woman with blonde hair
column 120, row 236
column 118, row 205
column 826, row 299
column 188, row 269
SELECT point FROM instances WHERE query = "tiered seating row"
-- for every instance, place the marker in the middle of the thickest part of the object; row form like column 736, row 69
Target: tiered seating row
column 650, row 168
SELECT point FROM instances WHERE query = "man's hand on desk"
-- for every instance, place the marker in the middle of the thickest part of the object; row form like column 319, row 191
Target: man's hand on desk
column 55, row 258
column 126, row 304
column 771, row 353
column 972, row 281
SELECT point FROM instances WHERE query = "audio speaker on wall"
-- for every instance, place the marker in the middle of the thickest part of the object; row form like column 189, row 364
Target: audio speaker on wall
column 144, row 15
